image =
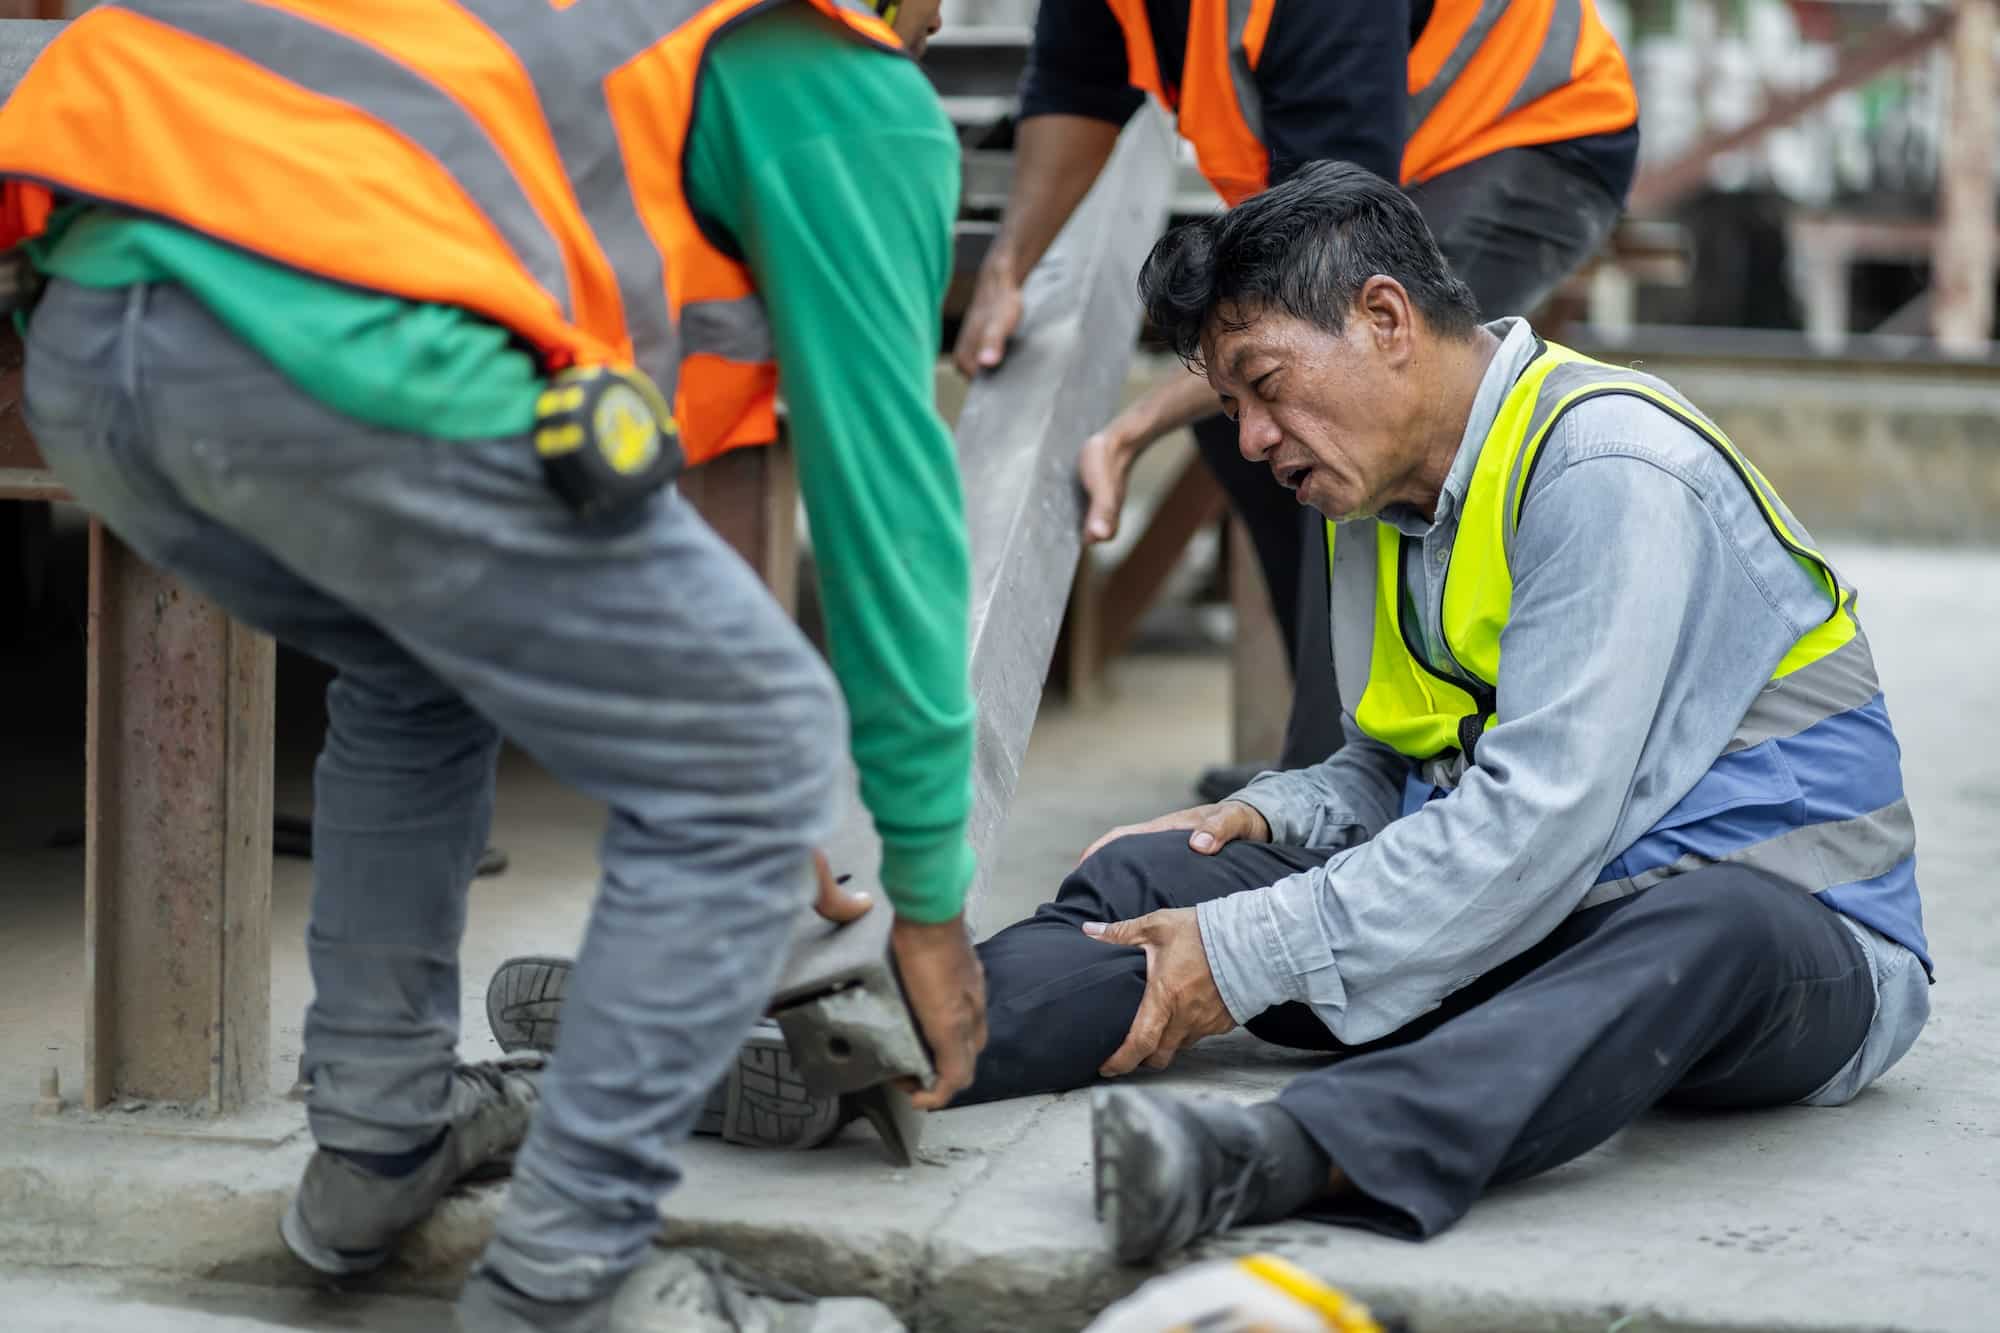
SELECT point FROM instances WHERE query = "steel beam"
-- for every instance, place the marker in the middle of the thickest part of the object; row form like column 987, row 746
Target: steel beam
column 177, row 866
column 1018, row 439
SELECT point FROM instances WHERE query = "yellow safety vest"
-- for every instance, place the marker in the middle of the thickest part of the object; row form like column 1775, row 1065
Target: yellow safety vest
column 1419, row 713
column 1809, row 789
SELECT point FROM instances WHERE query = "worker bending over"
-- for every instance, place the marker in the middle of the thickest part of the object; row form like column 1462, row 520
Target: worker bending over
column 1620, row 819
column 1515, row 128
column 315, row 270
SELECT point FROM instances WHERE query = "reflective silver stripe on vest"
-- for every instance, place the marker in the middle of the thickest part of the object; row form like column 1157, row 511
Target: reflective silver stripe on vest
column 733, row 330
column 1247, row 99
column 1425, row 100
column 1554, row 61
column 1561, row 381
column 1818, row 856
column 330, row 64
column 568, row 54
column 1550, row 71
column 1841, row 681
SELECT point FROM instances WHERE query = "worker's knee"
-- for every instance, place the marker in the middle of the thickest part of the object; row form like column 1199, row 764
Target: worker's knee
column 1126, row 878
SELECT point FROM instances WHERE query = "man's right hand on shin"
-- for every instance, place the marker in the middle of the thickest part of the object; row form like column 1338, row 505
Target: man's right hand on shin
column 946, row 988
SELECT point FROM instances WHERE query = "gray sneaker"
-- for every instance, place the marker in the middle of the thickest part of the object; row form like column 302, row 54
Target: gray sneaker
column 761, row 1103
column 488, row 1305
column 345, row 1219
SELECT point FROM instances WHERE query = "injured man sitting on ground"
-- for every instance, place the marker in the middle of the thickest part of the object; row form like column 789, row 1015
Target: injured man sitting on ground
column 1619, row 820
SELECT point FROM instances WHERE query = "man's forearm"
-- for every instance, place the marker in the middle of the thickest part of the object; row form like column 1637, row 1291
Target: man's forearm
column 1180, row 399
column 1056, row 161
column 1346, row 799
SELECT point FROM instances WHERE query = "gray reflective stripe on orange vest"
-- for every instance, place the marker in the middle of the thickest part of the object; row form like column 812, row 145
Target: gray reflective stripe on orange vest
column 1550, row 70
column 568, row 54
column 1555, row 60
column 330, row 64
column 1425, row 99
column 1812, row 858
column 1840, row 682
column 733, row 330
column 1240, row 73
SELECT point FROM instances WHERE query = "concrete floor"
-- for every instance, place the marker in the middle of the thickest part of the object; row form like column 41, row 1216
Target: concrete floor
column 1885, row 1214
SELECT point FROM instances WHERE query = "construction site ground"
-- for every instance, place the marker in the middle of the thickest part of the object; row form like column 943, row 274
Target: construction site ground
column 1881, row 1215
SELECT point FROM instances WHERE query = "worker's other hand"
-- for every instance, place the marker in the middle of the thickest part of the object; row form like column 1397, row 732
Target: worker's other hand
column 1210, row 828
column 1181, row 1004
column 833, row 902
column 989, row 322
column 1103, row 468
column 946, row 988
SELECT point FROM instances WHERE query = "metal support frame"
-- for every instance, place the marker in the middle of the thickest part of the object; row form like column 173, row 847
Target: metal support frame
column 1018, row 439
column 177, row 866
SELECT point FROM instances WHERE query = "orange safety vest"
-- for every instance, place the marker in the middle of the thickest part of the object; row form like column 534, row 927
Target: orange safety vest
column 518, row 158
column 1483, row 75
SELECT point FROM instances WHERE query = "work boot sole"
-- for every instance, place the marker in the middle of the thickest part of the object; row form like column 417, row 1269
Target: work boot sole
column 761, row 1103
column 1138, row 1161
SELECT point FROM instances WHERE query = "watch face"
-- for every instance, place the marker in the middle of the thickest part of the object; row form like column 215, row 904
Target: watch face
column 626, row 431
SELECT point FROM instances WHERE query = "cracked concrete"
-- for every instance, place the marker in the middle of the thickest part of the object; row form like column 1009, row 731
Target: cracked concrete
column 1881, row 1215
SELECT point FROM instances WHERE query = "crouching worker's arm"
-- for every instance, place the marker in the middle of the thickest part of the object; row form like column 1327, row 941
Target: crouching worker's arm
column 840, row 185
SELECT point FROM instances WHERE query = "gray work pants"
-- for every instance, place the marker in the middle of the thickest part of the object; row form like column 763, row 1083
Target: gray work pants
column 637, row 659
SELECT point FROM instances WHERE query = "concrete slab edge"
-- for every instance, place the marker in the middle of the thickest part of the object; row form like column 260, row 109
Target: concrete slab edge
column 76, row 1215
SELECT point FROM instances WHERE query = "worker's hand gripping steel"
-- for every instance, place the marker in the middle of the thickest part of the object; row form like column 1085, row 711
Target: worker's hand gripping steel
column 849, row 1028
column 606, row 437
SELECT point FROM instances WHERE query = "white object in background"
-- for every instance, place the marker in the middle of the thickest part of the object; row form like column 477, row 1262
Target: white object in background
column 1259, row 1293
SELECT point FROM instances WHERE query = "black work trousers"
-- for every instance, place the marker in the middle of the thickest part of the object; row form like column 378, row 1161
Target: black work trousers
column 1513, row 225
column 1718, row 988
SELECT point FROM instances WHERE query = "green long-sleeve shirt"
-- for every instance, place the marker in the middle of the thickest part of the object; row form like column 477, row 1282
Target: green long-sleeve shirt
column 836, row 173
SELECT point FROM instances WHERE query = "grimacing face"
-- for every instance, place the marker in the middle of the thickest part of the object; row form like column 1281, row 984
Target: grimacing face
column 1329, row 414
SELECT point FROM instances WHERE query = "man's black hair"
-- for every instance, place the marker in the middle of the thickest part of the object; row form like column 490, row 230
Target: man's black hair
column 1305, row 247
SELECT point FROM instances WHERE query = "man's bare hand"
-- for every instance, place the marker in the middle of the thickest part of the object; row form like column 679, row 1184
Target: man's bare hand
column 1213, row 827
column 1181, row 1004
column 833, row 902
column 946, row 988
column 1103, row 467
column 990, row 320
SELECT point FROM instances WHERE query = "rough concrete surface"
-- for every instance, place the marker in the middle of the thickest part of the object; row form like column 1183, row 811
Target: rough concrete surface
column 1881, row 1215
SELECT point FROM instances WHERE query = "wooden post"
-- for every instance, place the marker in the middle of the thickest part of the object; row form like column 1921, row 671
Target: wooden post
column 1963, row 264
column 750, row 497
column 1260, row 680
column 177, row 867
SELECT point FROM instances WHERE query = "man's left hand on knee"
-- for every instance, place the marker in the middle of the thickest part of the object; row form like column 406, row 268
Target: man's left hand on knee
column 1181, row 1004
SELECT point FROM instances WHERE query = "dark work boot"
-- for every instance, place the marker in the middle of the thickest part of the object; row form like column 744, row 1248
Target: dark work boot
column 1170, row 1170
column 345, row 1217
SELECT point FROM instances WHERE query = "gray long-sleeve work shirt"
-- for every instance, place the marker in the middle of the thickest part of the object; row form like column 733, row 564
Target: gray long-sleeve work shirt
column 1650, row 606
